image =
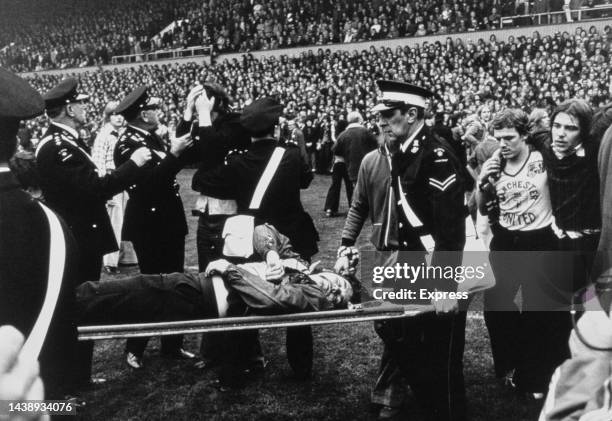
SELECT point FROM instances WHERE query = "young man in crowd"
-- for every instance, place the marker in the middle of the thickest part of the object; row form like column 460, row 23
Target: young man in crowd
column 570, row 158
column 526, row 345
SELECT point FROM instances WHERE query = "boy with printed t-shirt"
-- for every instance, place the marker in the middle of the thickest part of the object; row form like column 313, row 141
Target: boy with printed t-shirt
column 527, row 345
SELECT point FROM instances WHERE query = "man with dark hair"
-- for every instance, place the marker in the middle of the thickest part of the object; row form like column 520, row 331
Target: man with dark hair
column 154, row 216
column 571, row 161
column 423, row 204
column 26, row 262
column 73, row 188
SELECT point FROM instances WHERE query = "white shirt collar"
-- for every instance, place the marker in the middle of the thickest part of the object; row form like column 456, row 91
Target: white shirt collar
column 140, row 130
column 69, row 129
column 408, row 141
column 578, row 150
column 350, row 126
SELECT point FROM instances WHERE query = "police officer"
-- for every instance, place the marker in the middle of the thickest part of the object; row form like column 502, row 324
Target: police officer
column 425, row 207
column 70, row 180
column 154, row 216
column 25, row 249
column 279, row 203
column 73, row 188
column 237, row 179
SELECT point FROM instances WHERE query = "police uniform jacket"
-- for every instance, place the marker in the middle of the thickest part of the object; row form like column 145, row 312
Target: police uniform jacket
column 24, row 271
column 431, row 180
column 154, row 203
column 281, row 205
column 73, row 188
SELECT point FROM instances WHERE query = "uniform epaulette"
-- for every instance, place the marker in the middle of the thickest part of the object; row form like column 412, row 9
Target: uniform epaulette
column 234, row 152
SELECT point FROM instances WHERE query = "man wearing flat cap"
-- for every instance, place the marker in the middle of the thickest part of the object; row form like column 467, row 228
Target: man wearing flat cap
column 421, row 207
column 25, row 246
column 74, row 189
column 154, row 216
column 276, row 199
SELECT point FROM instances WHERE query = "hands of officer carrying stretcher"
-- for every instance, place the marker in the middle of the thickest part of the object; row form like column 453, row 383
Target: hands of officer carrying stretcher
column 141, row 156
column 179, row 144
column 217, row 267
column 274, row 266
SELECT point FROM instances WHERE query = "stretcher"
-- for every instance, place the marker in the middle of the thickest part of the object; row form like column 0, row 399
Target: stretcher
column 368, row 311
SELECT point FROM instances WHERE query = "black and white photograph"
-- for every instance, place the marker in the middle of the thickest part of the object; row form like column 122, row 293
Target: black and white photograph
column 395, row 210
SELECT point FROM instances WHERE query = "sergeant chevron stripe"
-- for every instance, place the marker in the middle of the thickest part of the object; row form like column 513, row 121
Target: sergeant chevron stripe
column 442, row 185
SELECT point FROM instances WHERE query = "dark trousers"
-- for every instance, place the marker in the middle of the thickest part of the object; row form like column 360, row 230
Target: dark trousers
column 428, row 352
column 578, row 258
column 533, row 341
column 89, row 268
column 142, row 299
column 339, row 173
column 154, row 257
column 215, row 347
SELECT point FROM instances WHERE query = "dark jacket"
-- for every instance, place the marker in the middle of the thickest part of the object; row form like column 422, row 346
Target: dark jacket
column 24, row 271
column 155, row 204
column 73, row 188
column 212, row 144
column 353, row 144
column 281, row 205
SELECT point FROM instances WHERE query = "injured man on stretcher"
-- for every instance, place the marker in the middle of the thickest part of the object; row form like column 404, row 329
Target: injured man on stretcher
column 280, row 283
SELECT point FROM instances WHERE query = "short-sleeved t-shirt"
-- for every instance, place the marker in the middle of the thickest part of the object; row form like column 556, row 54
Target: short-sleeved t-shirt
column 524, row 200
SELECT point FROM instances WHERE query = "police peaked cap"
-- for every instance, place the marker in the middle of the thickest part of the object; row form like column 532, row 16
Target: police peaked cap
column 63, row 93
column 262, row 115
column 397, row 94
column 18, row 100
column 137, row 100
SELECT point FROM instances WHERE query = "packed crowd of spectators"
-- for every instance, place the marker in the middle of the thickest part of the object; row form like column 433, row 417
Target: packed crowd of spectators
column 318, row 85
column 38, row 35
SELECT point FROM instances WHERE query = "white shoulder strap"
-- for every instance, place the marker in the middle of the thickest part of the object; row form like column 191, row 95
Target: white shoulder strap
column 42, row 143
column 57, row 256
column 266, row 177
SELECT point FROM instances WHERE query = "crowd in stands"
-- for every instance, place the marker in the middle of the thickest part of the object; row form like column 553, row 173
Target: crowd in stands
column 39, row 35
column 321, row 87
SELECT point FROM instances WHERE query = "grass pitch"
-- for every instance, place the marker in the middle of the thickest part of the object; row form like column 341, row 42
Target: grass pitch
column 346, row 359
